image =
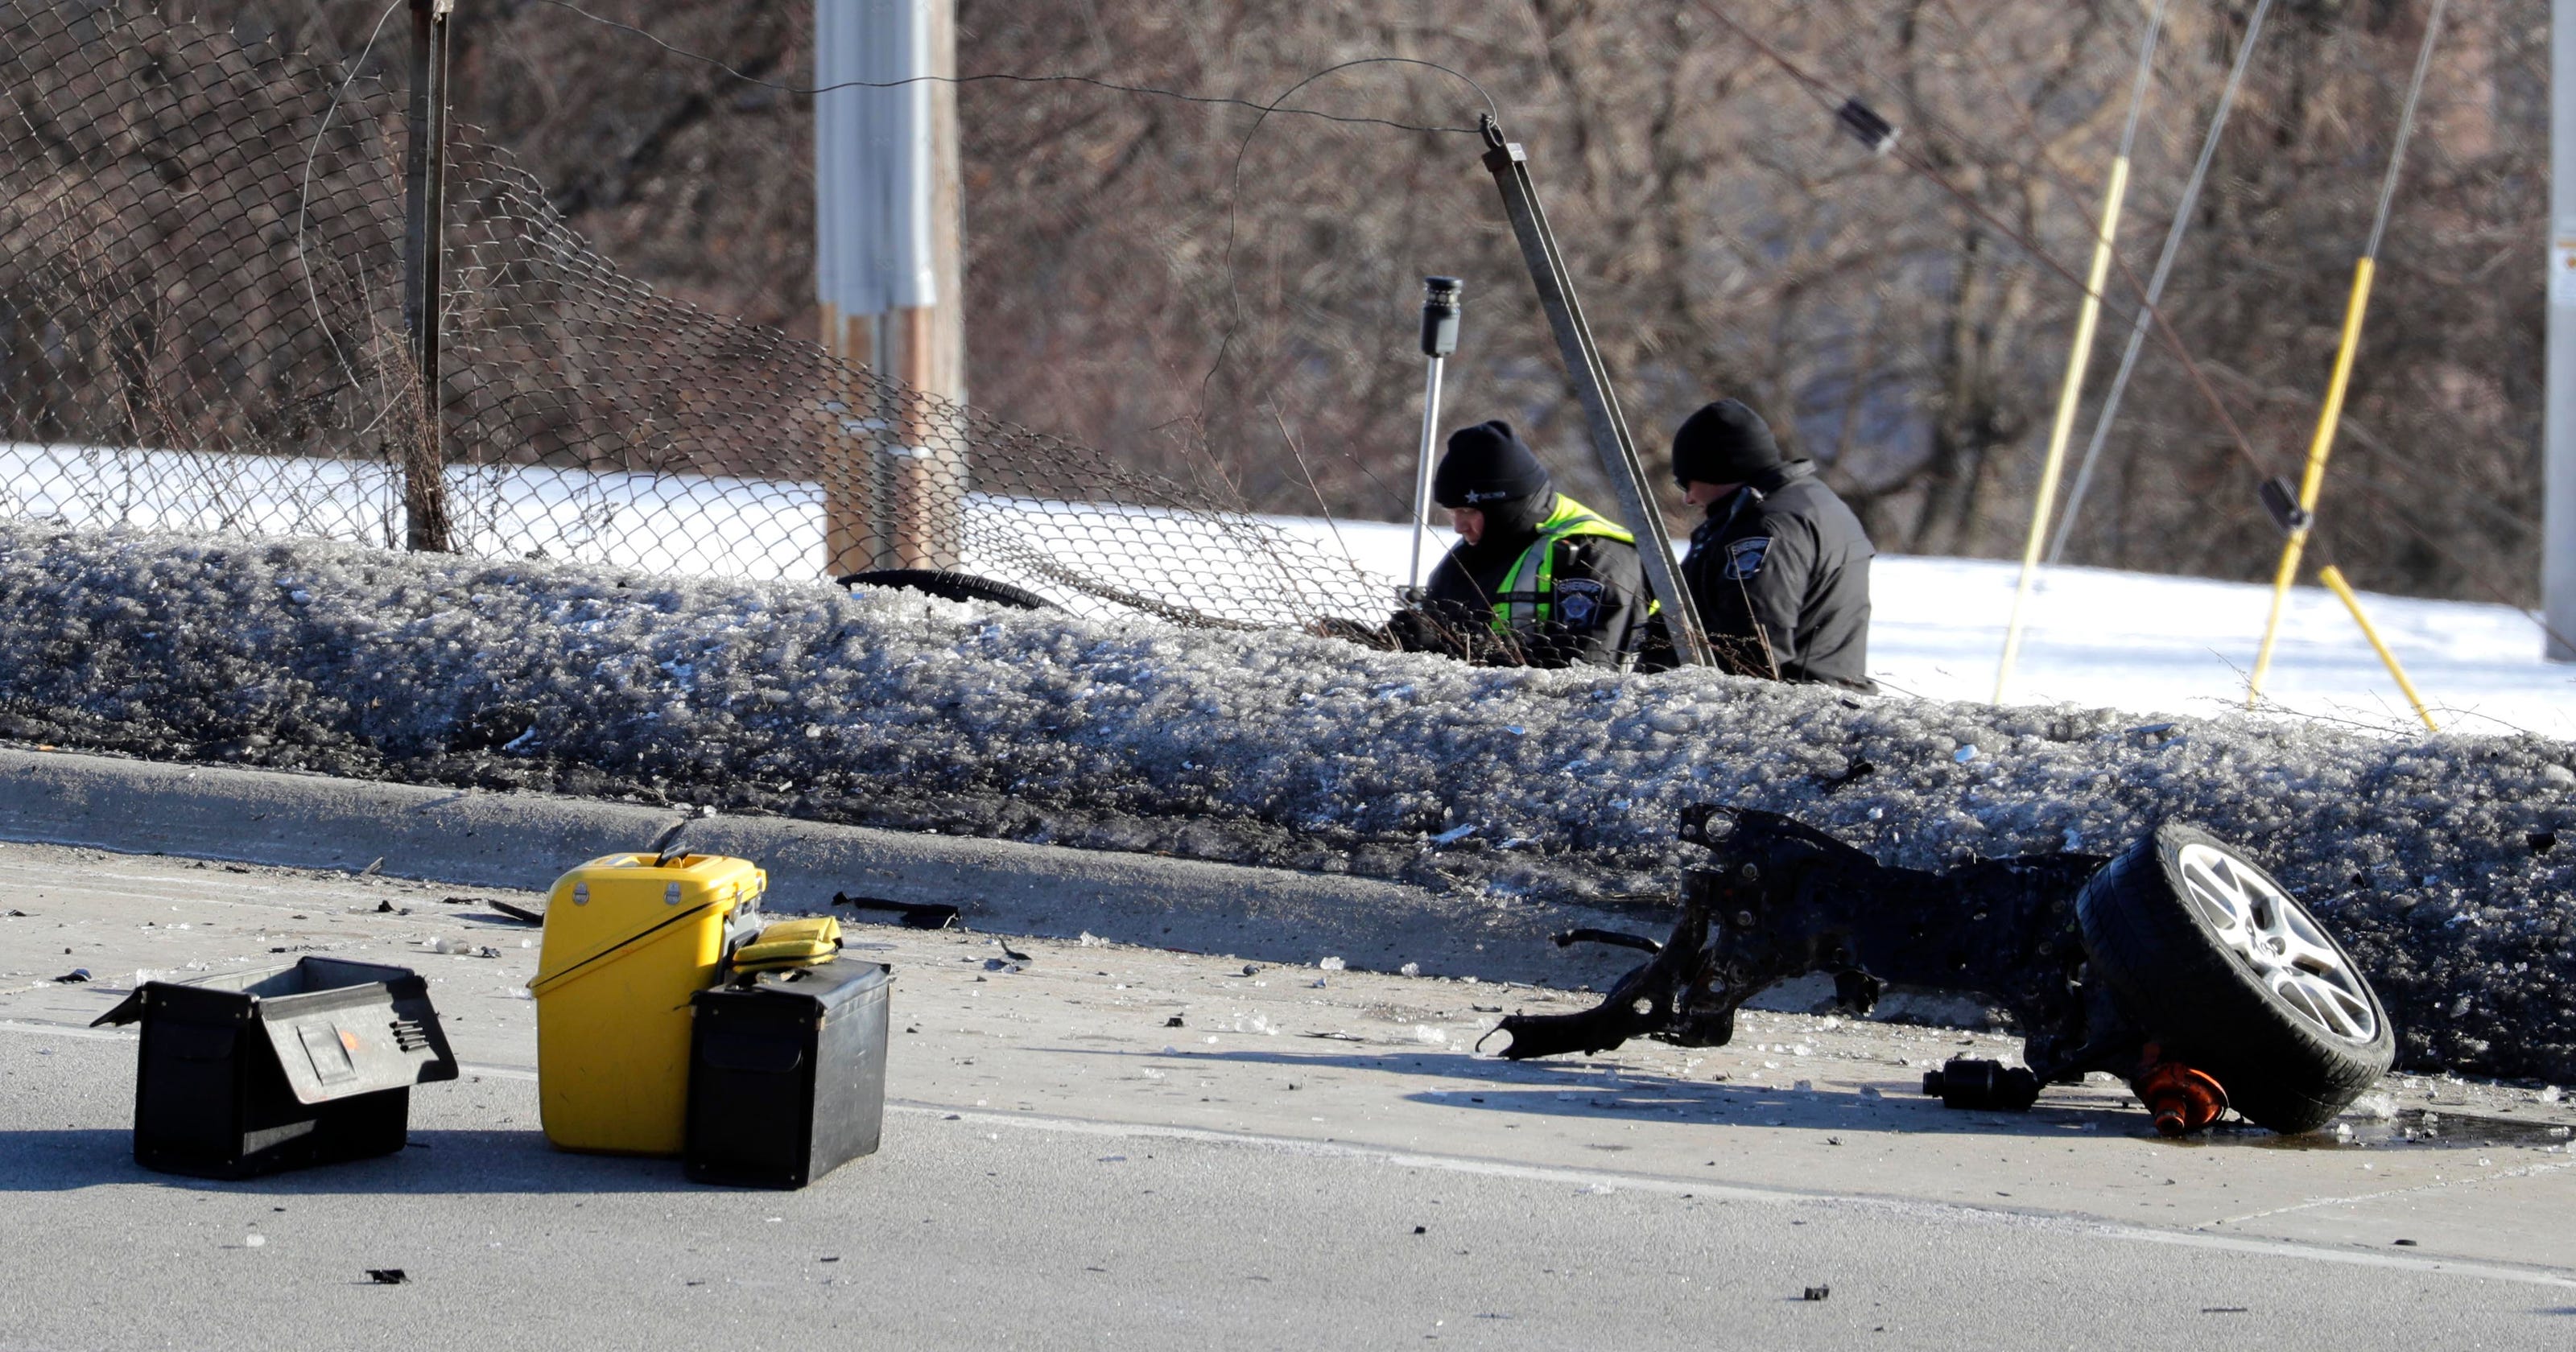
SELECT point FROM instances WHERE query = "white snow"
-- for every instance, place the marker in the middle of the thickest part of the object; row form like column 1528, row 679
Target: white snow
column 692, row 525
column 2153, row 644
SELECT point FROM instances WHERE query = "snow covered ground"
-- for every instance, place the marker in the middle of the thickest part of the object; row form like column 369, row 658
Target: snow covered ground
column 2145, row 643
column 2166, row 645
column 622, row 663
column 2185, row 645
column 2439, row 858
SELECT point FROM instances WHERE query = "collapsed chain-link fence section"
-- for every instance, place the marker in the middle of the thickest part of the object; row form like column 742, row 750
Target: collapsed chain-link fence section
column 201, row 328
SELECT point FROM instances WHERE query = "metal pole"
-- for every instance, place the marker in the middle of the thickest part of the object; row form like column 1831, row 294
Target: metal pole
column 1439, row 338
column 2077, row 358
column 1509, row 165
column 2333, row 578
column 2298, row 524
column 1422, row 472
column 2329, row 417
column 2558, row 515
column 2081, row 356
column 2145, row 318
column 425, row 524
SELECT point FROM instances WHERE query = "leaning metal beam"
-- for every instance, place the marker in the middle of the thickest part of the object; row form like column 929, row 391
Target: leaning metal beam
column 1610, row 440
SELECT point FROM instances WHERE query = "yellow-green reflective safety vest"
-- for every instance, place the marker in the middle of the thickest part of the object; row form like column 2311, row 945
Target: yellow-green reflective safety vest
column 1529, row 589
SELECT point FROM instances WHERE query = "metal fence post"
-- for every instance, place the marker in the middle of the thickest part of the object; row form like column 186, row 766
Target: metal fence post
column 425, row 524
column 1610, row 439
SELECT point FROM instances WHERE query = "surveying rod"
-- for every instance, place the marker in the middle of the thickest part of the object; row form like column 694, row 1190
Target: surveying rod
column 1439, row 339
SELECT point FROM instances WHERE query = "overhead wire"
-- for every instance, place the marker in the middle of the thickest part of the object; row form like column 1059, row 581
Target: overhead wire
column 2182, row 215
column 2174, row 234
column 1894, row 149
column 1234, row 194
column 2079, row 357
column 1261, row 109
column 1004, row 77
column 2147, row 313
column 2297, row 522
column 304, row 190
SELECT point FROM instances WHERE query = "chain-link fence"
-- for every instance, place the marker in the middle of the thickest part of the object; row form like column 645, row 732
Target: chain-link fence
column 201, row 328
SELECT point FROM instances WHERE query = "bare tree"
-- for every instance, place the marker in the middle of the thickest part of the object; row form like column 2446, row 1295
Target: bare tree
column 1204, row 290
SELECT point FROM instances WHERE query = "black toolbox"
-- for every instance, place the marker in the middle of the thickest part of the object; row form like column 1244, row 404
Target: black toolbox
column 280, row 1067
column 787, row 1074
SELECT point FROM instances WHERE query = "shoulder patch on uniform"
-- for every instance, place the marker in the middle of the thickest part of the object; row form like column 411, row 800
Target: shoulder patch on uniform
column 1744, row 557
column 1578, row 602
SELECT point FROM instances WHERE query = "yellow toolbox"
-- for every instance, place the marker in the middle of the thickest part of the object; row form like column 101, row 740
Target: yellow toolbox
column 628, row 939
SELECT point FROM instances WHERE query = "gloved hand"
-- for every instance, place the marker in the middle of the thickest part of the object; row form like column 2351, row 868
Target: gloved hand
column 1416, row 632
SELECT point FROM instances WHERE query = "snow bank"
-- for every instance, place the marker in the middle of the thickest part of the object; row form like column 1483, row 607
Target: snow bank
column 2446, row 861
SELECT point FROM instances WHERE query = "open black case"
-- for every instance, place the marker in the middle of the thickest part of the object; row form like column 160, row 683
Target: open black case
column 251, row 1072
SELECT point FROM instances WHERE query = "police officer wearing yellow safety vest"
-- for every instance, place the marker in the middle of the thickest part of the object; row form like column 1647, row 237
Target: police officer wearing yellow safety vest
column 1536, row 579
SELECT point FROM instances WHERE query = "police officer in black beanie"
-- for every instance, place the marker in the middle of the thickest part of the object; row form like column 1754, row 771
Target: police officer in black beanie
column 1780, row 569
column 1536, row 579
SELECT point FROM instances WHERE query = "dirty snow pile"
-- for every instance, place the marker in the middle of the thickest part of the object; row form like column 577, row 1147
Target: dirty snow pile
column 2445, row 861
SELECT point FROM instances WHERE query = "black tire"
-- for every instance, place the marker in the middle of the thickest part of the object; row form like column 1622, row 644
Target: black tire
column 949, row 586
column 2168, row 958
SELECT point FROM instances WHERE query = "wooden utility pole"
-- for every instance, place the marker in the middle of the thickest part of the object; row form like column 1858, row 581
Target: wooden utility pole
column 889, row 276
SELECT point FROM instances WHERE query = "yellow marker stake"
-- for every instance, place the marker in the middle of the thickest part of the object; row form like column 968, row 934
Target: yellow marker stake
column 2068, row 396
column 2328, row 418
column 2333, row 577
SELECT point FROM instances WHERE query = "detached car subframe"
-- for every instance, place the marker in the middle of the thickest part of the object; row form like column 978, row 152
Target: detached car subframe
column 2179, row 965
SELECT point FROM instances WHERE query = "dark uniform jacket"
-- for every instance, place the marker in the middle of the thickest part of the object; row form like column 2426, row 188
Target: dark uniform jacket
column 1784, row 554
column 1594, row 611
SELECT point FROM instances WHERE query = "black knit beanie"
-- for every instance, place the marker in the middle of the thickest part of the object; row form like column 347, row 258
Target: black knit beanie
column 1724, row 443
column 1485, row 465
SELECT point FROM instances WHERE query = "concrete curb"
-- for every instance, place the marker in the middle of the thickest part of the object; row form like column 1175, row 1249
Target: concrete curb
column 472, row 838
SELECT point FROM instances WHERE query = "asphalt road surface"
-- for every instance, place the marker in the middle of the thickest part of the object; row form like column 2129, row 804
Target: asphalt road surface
column 1294, row 1165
